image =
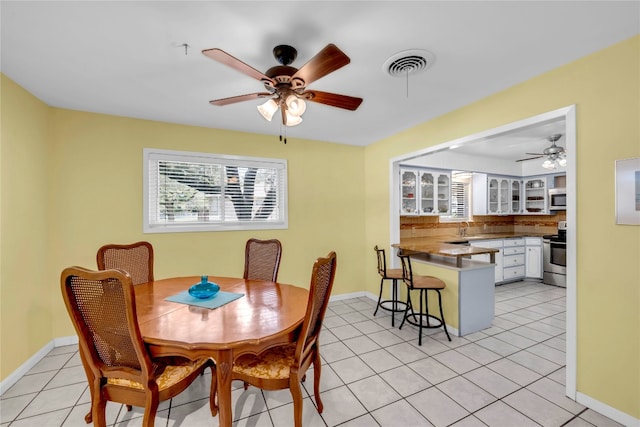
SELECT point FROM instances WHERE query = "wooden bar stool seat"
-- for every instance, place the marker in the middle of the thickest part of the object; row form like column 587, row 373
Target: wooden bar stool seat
column 423, row 284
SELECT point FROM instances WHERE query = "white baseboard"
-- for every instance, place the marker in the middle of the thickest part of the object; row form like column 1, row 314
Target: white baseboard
column 351, row 295
column 33, row 361
column 13, row 377
column 606, row 410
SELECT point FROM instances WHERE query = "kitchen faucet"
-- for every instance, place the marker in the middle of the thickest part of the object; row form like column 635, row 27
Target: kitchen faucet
column 463, row 231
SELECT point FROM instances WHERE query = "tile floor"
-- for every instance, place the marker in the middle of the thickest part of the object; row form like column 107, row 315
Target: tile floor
column 373, row 375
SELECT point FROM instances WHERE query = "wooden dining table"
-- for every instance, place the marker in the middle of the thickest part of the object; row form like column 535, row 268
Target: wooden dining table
column 268, row 314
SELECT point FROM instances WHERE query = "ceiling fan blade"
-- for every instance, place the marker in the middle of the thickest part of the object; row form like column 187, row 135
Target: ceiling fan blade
column 536, row 154
column 326, row 61
column 333, row 99
column 529, row 158
column 240, row 98
column 233, row 62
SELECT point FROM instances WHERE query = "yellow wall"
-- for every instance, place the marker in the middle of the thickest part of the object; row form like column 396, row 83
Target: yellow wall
column 25, row 285
column 605, row 87
column 88, row 169
column 89, row 192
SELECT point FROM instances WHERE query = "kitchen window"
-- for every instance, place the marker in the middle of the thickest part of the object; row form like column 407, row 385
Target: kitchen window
column 460, row 197
column 188, row 191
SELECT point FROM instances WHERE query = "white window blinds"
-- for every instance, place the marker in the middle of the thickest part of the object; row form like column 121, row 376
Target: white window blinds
column 199, row 192
column 459, row 200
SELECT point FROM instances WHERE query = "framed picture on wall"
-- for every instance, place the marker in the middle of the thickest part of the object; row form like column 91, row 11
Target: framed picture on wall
column 628, row 191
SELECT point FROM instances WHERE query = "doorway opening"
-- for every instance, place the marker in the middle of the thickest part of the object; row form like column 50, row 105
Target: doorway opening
column 566, row 118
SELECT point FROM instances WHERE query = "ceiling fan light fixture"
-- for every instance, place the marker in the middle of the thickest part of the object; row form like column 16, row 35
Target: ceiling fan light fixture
column 268, row 109
column 549, row 164
column 295, row 106
column 292, row 120
column 562, row 161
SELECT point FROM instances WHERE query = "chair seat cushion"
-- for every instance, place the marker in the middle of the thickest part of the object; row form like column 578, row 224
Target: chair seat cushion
column 394, row 273
column 171, row 375
column 428, row 282
column 274, row 363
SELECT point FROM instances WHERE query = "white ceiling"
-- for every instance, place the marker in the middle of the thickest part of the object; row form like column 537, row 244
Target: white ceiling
column 126, row 58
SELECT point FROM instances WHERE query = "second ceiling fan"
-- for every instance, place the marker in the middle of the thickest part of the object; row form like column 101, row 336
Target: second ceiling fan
column 286, row 86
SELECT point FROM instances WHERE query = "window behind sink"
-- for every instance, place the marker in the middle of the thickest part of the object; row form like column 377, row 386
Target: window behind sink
column 460, row 197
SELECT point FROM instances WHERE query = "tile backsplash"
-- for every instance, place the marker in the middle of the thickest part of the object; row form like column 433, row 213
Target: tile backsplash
column 429, row 226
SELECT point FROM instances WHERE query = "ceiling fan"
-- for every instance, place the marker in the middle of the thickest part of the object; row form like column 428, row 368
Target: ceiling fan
column 552, row 152
column 286, row 86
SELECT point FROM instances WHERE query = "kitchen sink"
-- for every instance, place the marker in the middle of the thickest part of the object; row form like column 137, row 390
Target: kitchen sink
column 459, row 242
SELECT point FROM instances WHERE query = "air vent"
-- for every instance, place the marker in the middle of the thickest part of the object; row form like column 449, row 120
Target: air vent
column 411, row 61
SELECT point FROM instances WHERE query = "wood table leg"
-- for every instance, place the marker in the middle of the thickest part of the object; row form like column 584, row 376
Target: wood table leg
column 224, row 362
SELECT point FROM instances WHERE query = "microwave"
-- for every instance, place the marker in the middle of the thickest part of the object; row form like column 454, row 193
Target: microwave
column 558, row 199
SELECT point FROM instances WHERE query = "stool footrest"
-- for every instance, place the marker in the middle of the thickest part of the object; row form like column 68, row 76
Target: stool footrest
column 401, row 306
column 427, row 320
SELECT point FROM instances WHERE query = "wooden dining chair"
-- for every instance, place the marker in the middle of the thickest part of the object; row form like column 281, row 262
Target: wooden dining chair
column 102, row 308
column 422, row 284
column 262, row 259
column 285, row 366
column 135, row 258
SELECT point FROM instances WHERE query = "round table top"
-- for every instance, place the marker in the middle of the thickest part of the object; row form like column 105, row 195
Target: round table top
column 266, row 310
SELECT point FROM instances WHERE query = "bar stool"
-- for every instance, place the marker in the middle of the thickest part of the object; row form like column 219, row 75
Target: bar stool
column 393, row 274
column 423, row 284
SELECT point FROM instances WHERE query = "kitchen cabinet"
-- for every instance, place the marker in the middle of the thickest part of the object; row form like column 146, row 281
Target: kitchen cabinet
column 409, row 192
column 425, row 192
column 535, row 196
column 496, row 244
column 494, row 195
column 513, row 259
column 518, row 258
column 516, row 196
column 533, row 267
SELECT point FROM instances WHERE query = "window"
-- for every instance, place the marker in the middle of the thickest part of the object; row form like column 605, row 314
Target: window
column 186, row 191
column 460, row 197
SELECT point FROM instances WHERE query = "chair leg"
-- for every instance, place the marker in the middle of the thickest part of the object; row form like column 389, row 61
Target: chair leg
column 317, row 371
column 98, row 409
column 379, row 297
column 422, row 297
column 394, row 304
column 296, row 394
column 150, row 409
column 444, row 324
column 408, row 306
column 406, row 309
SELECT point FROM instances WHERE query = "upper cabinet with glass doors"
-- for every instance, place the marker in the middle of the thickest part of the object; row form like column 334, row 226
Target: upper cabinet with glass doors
column 425, row 192
column 493, row 195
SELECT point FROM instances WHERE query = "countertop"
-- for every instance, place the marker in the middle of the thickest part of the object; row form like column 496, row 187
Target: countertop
column 446, row 245
column 486, row 236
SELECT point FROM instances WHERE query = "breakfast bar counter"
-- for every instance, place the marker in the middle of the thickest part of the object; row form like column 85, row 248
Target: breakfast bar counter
column 469, row 296
column 442, row 248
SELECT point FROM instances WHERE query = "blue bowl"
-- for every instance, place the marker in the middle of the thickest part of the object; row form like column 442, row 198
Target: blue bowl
column 204, row 290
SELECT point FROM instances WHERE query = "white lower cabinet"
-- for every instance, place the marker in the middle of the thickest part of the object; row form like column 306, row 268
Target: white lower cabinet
column 495, row 244
column 513, row 260
column 518, row 258
column 533, row 267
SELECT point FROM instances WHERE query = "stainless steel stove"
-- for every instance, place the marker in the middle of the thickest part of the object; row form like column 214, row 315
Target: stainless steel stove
column 554, row 249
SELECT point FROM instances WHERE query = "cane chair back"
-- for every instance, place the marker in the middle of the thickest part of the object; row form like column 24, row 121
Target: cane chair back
column 262, row 259
column 102, row 308
column 136, row 259
column 285, row 366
